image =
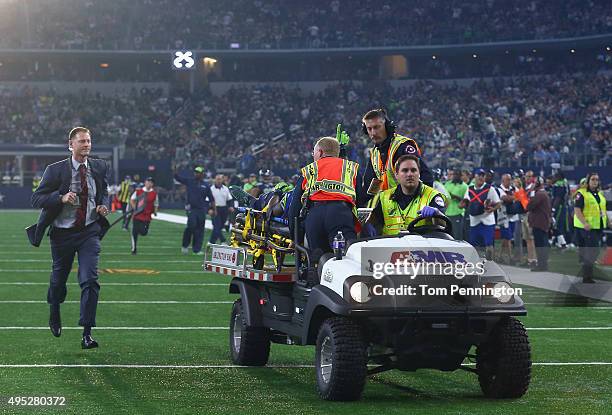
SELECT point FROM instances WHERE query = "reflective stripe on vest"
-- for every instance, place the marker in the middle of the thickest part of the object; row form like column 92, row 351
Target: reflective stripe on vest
column 592, row 210
column 340, row 183
column 124, row 192
column 386, row 172
column 395, row 218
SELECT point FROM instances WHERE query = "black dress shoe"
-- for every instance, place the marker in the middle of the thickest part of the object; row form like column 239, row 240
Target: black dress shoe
column 88, row 343
column 55, row 322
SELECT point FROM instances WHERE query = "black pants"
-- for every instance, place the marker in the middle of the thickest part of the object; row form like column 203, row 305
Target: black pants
column 540, row 239
column 65, row 244
column 195, row 229
column 323, row 222
column 457, row 222
column 218, row 222
column 589, row 243
column 139, row 227
column 125, row 206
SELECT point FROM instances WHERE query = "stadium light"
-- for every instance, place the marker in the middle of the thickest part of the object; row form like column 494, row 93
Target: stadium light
column 209, row 61
column 608, row 48
column 434, row 57
column 573, row 50
column 474, row 56
column 533, row 50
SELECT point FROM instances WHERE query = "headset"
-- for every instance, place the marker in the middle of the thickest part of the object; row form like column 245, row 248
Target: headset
column 389, row 124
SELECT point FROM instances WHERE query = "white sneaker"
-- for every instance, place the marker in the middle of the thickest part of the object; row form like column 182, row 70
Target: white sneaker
column 198, row 253
column 184, row 250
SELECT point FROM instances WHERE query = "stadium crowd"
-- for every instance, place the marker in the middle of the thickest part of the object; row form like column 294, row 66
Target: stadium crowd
column 272, row 24
column 520, row 122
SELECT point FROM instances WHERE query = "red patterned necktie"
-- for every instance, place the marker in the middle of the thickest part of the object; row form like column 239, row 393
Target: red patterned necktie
column 81, row 212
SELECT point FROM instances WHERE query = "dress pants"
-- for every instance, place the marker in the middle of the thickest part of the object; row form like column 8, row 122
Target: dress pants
column 65, row 244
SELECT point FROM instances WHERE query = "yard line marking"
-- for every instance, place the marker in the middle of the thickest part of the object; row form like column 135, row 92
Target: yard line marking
column 138, row 284
column 575, row 303
column 117, row 328
column 142, row 366
column 117, row 302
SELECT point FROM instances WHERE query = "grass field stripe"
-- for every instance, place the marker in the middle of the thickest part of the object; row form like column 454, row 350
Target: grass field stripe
column 118, row 328
column 139, row 284
column 118, row 302
column 161, row 261
column 48, row 270
column 225, row 328
column 137, row 366
column 569, row 328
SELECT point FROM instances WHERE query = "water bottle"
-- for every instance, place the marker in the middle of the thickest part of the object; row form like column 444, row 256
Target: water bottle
column 339, row 245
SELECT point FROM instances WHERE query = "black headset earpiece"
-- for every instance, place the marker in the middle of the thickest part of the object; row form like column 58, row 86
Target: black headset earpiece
column 389, row 124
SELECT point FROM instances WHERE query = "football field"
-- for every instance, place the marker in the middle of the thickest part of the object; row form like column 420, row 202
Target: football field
column 162, row 329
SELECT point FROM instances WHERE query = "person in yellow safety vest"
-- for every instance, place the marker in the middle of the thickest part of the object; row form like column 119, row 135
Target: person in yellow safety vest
column 396, row 208
column 388, row 147
column 126, row 188
column 590, row 219
column 327, row 187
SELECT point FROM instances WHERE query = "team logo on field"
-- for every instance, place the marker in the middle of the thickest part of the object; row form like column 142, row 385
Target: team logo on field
column 128, row 271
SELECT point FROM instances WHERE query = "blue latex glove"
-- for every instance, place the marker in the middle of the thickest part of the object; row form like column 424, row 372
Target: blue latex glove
column 428, row 212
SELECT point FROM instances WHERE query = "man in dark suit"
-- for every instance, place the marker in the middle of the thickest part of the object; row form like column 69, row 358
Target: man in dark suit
column 73, row 197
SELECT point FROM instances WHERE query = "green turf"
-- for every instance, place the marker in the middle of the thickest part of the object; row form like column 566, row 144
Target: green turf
column 279, row 389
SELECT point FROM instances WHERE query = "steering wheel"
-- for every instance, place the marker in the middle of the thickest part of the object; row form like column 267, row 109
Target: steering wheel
column 447, row 228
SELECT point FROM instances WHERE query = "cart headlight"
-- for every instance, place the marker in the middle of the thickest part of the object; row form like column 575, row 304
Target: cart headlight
column 503, row 292
column 360, row 292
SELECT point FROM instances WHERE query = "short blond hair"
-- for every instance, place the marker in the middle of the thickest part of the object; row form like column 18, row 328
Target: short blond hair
column 329, row 145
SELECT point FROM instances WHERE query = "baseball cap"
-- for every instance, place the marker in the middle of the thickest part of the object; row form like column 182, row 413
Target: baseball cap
column 150, row 179
column 480, row 171
column 199, row 169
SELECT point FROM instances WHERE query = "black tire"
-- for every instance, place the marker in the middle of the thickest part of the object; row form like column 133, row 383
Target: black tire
column 503, row 362
column 340, row 344
column 249, row 346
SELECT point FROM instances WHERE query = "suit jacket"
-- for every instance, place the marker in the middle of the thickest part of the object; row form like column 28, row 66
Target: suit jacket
column 56, row 183
column 539, row 211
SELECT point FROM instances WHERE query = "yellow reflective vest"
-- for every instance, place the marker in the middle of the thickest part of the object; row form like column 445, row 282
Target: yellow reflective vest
column 385, row 172
column 397, row 219
column 592, row 210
